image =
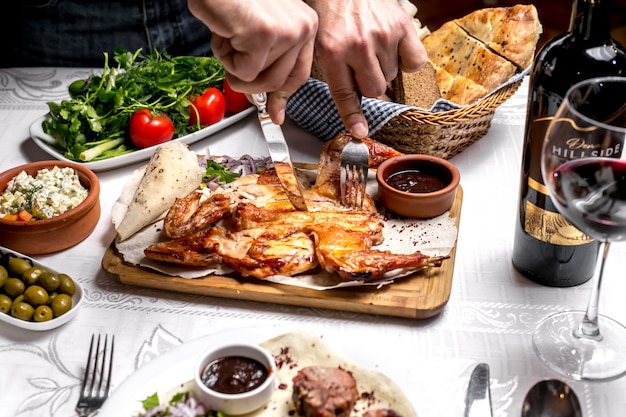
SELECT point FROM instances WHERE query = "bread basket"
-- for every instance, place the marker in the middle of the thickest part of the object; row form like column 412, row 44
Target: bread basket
column 443, row 133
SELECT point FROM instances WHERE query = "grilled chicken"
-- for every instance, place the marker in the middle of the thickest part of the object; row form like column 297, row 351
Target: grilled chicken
column 262, row 235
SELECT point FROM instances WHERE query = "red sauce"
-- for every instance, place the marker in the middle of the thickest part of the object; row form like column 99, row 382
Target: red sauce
column 415, row 181
column 234, row 374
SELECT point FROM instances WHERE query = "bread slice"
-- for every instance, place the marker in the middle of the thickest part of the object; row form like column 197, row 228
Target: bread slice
column 512, row 32
column 452, row 49
column 417, row 89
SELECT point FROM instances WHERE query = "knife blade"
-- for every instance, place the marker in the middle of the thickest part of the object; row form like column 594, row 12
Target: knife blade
column 478, row 400
column 279, row 152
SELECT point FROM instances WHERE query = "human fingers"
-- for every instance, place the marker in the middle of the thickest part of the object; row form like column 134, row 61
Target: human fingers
column 300, row 73
column 347, row 98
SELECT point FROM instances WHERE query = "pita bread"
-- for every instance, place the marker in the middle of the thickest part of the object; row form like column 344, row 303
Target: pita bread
column 458, row 89
column 452, row 49
column 172, row 172
column 512, row 32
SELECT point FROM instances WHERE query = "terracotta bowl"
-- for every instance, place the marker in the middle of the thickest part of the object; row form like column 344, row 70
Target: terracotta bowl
column 426, row 185
column 57, row 233
column 235, row 403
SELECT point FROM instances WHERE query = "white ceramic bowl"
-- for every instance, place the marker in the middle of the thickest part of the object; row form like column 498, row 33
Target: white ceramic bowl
column 77, row 301
column 236, row 404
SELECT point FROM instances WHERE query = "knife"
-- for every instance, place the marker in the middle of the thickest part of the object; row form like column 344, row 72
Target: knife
column 279, row 152
column 478, row 401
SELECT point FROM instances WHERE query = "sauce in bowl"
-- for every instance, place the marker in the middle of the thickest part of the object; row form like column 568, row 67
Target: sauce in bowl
column 234, row 374
column 415, row 181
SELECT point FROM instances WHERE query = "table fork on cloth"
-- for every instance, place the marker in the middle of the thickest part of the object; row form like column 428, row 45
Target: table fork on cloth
column 96, row 383
column 354, row 166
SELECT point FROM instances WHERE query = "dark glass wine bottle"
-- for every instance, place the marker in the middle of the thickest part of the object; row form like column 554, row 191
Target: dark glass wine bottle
column 547, row 248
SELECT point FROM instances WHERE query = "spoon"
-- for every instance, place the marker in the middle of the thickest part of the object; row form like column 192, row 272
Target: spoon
column 551, row 398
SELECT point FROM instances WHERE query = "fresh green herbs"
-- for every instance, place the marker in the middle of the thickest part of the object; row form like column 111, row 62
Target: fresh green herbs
column 93, row 124
column 215, row 171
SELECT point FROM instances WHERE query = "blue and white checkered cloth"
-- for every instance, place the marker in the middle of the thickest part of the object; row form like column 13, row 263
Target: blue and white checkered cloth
column 313, row 108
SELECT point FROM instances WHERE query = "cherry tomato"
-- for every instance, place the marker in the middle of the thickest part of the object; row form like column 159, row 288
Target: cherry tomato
column 235, row 101
column 210, row 107
column 147, row 130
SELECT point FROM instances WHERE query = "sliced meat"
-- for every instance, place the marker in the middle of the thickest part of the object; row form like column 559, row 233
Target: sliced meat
column 324, row 392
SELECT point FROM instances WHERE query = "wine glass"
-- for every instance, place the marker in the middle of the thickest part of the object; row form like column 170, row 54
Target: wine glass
column 584, row 169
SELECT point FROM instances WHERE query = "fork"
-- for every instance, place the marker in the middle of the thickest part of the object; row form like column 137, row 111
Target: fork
column 353, row 178
column 97, row 378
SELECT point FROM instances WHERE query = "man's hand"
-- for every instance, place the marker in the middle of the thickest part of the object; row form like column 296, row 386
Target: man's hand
column 265, row 46
column 360, row 45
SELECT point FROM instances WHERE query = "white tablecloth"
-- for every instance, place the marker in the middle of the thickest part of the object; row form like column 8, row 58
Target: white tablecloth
column 489, row 317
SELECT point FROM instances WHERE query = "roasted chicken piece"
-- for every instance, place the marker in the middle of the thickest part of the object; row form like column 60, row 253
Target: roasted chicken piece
column 260, row 234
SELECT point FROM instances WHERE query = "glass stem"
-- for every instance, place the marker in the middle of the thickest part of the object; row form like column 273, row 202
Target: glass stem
column 588, row 327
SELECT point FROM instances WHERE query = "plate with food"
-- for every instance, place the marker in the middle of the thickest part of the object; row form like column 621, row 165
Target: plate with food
column 119, row 115
column 35, row 297
column 240, row 237
column 48, row 144
column 382, row 382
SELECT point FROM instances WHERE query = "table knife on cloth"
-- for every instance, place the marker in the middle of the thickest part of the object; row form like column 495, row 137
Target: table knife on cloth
column 279, row 152
column 478, row 401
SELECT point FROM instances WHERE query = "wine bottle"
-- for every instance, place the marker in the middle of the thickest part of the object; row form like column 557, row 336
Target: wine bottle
column 547, row 248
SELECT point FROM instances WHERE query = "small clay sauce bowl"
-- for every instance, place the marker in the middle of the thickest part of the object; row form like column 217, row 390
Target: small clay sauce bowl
column 251, row 363
column 56, row 233
column 417, row 186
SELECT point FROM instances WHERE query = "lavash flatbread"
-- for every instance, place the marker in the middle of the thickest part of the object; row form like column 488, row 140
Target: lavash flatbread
column 172, row 172
column 305, row 349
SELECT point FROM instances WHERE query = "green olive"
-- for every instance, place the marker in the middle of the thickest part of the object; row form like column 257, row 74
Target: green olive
column 5, row 303
column 36, row 295
column 18, row 299
column 49, row 281
column 14, row 287
column 67, row 285
column 17, row 266
column 22, row 311
column 43, row 313
column 31, row 274
column 61, row 304
column 4, row 275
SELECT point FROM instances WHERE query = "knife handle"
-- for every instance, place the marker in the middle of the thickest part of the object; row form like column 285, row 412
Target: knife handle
column 260, row 101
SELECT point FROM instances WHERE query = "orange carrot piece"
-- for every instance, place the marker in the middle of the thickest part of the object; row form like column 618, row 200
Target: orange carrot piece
column 24, row 216
column 9, row 216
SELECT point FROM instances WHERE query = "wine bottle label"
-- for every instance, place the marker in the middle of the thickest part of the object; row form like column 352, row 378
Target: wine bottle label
column 550, row 226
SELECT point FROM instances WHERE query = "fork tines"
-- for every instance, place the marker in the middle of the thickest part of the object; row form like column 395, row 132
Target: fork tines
column 97, row 377
column 353, row 185
column 353, row 178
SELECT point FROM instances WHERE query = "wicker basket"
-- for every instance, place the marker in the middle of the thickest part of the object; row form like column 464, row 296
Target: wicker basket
column 446, row 133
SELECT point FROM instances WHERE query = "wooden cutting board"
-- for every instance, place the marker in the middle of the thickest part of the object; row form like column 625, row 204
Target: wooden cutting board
column 421, row 295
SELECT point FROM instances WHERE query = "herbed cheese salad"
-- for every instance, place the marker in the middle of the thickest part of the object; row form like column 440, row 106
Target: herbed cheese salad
column 50, row 193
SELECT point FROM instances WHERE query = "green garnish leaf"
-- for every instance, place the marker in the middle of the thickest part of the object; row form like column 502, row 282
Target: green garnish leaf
column 151, row 402
column 215, row 170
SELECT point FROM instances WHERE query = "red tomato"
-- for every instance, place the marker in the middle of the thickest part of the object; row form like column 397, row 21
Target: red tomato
column 147, row 130
column 210, row 107
column 235, row 101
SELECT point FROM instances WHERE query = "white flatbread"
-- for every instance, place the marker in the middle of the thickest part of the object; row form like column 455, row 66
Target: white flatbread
column 172, row 172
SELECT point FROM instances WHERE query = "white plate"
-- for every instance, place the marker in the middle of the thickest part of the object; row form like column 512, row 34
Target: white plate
column 175, row 367
column 77, row 301
column 47, row 142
